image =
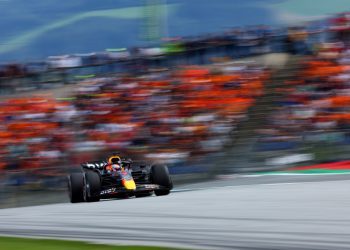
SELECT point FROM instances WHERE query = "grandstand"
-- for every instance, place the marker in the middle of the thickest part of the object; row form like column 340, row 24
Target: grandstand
column 187, row 103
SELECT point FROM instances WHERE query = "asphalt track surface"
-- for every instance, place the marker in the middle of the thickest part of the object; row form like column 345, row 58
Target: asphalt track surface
column 260, row 212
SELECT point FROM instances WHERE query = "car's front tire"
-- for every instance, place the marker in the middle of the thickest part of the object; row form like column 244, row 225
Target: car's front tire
column 160, row 175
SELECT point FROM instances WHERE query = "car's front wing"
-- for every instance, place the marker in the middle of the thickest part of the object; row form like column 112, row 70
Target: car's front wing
column 114, row 191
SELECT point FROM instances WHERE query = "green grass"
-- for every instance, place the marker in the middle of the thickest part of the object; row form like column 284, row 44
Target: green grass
column 10, row 243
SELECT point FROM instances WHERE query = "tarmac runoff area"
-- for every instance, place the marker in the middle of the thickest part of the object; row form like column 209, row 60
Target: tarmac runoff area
column 259, row 212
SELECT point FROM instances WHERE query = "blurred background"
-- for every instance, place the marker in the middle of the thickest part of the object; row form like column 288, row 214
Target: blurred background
column 209, row 89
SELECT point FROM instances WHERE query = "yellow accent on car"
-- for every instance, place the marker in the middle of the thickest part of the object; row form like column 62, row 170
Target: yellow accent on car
column 129, row 184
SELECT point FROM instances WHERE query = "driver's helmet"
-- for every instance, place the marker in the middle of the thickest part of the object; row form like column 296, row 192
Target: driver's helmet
column 115, row 162
column 115, row 159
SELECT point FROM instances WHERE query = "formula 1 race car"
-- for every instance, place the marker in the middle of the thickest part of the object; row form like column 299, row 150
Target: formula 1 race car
column 117, row 178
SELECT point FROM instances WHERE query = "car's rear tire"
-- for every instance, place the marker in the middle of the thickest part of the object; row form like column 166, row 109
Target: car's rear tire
column 76, row 187
column 160, row 175
column 92, row 186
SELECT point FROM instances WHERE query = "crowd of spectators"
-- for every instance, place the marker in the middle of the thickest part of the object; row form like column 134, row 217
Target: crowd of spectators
column 170, row 112
column 317, row 99
column 32, row 137
column 170, row 116
column 315, row 107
